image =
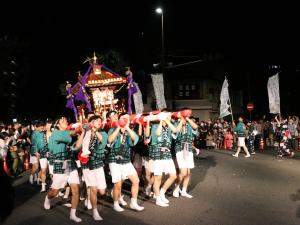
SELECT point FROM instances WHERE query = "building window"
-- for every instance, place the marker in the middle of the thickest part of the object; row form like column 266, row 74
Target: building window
column 187, row 91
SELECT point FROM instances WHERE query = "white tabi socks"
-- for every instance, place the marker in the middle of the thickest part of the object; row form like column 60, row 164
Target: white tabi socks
column 163, row 197
column 185, row 194
column 122, row 201
column 43, row 187
column 47, row 202
column 73, row 216
column 176, row 191
column 96, row 215
column 117, row 207
column 134, row 205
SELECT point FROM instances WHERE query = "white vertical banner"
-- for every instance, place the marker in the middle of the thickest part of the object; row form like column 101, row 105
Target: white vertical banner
column 273, row 93
column 224, row 98
column 158, row 84
column 138, row 100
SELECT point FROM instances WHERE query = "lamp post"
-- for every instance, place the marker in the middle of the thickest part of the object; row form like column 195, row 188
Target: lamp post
column 160, row 11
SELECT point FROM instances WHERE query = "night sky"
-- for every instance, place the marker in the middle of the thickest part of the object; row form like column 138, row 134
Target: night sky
column 57, row 39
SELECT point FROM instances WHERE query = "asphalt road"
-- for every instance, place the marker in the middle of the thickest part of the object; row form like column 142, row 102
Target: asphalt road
column 263, row 189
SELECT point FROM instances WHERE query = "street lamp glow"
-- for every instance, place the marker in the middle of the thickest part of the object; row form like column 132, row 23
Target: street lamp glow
column 159, row 10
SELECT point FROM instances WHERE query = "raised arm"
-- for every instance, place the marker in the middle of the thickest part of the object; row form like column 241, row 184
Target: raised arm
column 173, row 128
column 193, row 124
column 147, row 130
column 113, row 135
column 159, row 129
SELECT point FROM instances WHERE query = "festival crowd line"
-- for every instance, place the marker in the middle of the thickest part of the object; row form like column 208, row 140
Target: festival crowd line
column 81, row 160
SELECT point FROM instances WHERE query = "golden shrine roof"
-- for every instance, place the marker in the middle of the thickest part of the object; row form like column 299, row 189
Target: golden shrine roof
column 99, row 76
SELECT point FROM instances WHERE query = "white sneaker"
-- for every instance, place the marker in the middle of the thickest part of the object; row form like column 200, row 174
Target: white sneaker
column 134, row 205
column 235, row 155
column 185, row 194
column 118, row 208
column 88, row 204
column 122, row 201
column 247, row 156
column 43, row 187
column 176, row 193
column 31, row 179
column 35, row 177
column 154, row 196
column 96, row 215
column 75, row 218
column 160, row 202
column 148, row 190
column 47, row 203
column 163, row 198
column 68, row 205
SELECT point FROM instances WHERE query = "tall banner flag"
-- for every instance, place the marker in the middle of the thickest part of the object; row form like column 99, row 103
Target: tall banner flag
column 138, row 100
column 158, row 84
column 273, row 93
column 225, row 100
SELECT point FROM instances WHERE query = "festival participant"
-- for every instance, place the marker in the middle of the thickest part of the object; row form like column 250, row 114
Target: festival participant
column 284, row 146
column 148, row 160
column 240, row 130
column 65, row 169
column 42, row 146
column 251, row 138
column 161, row 140
column 93, row 172
column 34, row 160
column 121, row 139
column 186, row 132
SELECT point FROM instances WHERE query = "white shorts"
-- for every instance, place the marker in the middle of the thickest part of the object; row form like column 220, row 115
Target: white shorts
column 60, row 180
column 241, row 141
column 121, row 171
column 163, row 166
column 33, row 160
column 94, row 178
column 148, row 164
column 185, row 161
column 43, row 163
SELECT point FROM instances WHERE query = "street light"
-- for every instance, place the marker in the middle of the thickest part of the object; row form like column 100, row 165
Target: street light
column 160, row 11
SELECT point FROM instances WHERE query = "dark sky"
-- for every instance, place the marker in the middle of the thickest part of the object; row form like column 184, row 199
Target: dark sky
column 59, row 38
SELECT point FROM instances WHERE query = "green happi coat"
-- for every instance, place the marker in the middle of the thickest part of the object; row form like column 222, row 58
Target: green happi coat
column 58, row 147
column 160, row 147
column 185, row 138
column 42, row 145
column 120, row 153
column 97, row 155
column 240, row 130
column 34, row 137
